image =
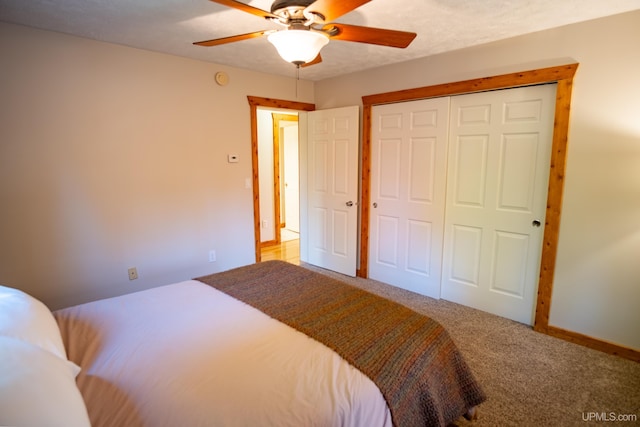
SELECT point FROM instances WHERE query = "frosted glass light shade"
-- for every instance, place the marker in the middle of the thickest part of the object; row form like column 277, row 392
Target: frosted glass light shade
column 298, row 46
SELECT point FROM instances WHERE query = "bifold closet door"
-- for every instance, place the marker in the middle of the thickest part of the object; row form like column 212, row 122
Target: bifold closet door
column 498, row 168
column 409, row 156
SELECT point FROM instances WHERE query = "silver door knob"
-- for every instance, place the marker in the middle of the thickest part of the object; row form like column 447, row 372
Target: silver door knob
column 535, row 223
column 349, row 203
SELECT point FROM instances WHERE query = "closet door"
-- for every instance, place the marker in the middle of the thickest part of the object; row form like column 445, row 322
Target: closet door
column 409, row 149
column 499, row 154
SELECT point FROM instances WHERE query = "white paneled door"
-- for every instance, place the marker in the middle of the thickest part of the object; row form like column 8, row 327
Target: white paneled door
column 409, row 156
column 332, row 188
column 458, row 193
column 498, row 167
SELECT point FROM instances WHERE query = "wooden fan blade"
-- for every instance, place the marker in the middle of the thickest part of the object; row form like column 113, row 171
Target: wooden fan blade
column 379, row 36
column 317, row 60
column 333, row 9
column 231, row 39
column 246, row 8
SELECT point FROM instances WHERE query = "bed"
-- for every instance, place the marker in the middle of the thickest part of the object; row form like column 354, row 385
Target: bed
column 269, row 344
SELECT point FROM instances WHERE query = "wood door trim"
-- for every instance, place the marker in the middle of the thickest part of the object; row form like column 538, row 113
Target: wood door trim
column 563, row 76
column 254, row 103
column 504, row 81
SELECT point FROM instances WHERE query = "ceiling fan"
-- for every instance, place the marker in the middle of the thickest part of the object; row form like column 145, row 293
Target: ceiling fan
column 309, row 28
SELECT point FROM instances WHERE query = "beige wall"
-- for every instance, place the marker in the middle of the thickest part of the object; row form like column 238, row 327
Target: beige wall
column 113, row 157
column 597, row 284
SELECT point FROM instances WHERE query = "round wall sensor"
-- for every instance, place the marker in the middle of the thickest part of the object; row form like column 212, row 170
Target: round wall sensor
column 222, row 78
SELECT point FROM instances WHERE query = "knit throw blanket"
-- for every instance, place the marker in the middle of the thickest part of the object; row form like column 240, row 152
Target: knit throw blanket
column 410, row 357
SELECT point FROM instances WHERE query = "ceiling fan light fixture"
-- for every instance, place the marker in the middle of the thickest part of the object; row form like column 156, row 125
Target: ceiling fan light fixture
column 298, row 46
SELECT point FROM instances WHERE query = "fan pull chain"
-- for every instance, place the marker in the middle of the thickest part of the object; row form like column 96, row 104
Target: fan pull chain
column 297, row 79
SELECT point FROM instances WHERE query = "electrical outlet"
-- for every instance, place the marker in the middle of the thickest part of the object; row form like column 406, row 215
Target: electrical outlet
column 212, row 256
column 133, row 273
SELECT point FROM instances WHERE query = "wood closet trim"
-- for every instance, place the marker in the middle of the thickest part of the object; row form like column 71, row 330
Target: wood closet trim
column 563, row 76
column 254, row 103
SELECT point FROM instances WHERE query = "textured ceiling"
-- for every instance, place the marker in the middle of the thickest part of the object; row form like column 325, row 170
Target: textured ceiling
column 170, row 26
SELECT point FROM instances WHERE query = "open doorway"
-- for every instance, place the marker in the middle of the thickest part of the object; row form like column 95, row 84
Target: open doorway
column 276, row 105
column 279, row 185
column 328, row 235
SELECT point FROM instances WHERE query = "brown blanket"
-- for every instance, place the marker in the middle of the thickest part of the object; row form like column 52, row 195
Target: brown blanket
column 410, row 357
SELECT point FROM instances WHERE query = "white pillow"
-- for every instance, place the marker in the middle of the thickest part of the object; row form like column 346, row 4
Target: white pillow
column 26, row 318
column 37, row 388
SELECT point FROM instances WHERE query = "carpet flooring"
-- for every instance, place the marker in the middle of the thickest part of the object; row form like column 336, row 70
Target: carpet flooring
column 530, row 379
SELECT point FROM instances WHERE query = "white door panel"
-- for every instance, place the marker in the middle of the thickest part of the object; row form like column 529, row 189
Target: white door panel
column 333, row 188
column 409, row 143
column 498, row 167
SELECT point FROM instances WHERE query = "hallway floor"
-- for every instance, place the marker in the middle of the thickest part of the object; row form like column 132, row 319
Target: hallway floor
column 288, row 251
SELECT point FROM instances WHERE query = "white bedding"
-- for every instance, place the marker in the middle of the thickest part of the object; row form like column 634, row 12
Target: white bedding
column 189, row 355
